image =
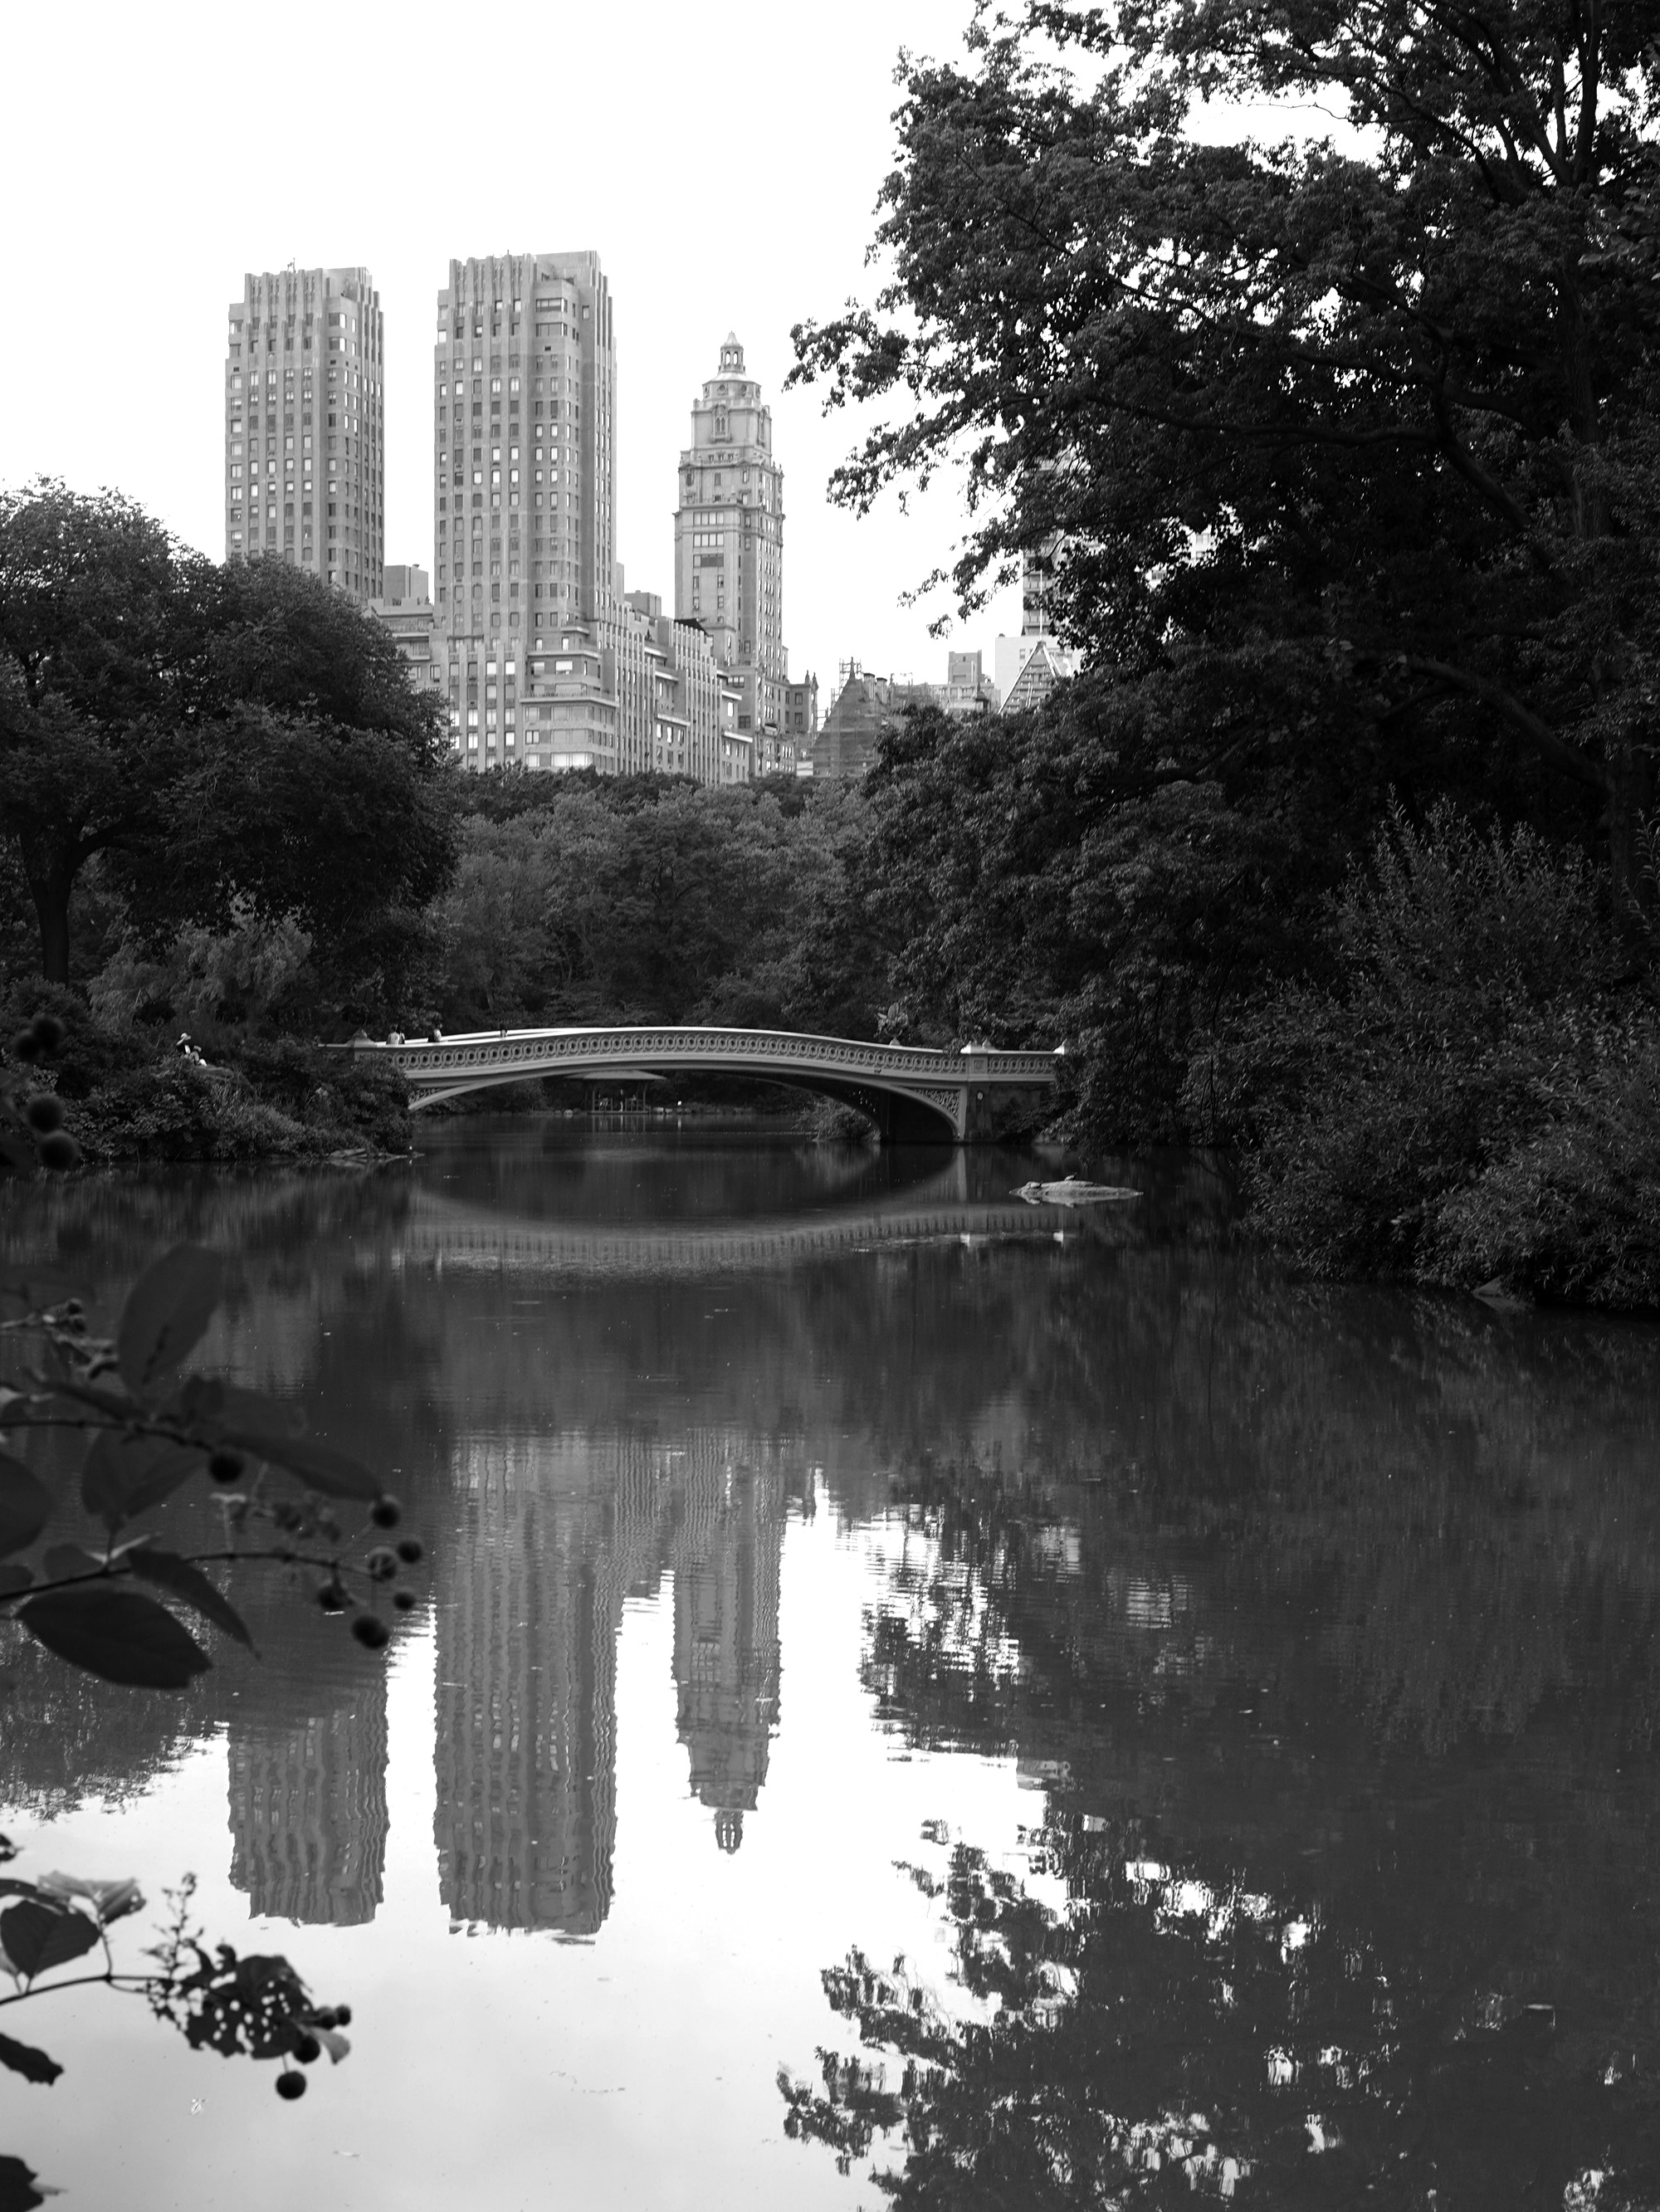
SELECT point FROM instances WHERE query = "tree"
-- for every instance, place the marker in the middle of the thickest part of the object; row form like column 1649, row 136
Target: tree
column 240, row 741
column 1349, row 454
column 90, row 594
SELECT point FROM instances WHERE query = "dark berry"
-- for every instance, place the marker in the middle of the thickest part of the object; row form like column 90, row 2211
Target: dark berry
column 23, row 1046
column 331, row 1598
column 372, row 1633
column 342, row 2015
column 306, row 2047
column 386, row 1513
column 44, row 1113
column 382, row 1562
column 47, row 1031
column 59, row 1150
column 404, row 1599
column 290, row 2085
column 409, row 1551
column 226, row 1465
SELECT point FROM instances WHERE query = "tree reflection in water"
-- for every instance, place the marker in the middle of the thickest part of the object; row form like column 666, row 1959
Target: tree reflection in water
column 1344, row 1888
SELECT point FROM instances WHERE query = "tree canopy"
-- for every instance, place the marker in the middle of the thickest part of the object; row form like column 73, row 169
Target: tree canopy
column 1346, row 444
column 233, row 738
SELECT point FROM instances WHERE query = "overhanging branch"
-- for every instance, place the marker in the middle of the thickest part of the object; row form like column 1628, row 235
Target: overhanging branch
column 1551, row 748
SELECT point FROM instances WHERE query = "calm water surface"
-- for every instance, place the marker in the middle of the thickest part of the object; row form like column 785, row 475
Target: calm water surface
column 912, row 1693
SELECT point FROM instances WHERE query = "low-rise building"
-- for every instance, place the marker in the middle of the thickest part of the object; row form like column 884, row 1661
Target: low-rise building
column 866, row 703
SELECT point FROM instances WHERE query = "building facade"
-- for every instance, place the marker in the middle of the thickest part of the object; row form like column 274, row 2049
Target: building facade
column 305, row 426
column 405, row 609
column 524, row 454
column 1028, row 667
column 729, row 539
column 864, row 704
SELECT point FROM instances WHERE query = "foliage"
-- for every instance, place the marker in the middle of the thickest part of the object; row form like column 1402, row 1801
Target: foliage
column 251, row 974
column 349, row 1100
column 1461, row 1102
column 1038, row 879
column 1267, row 1941
column 583, row 898
column 256, row 2006
column 1357, row 447
column 237, row 741
column 1159, row 2038
column 174, row 1110
column 154, row 1429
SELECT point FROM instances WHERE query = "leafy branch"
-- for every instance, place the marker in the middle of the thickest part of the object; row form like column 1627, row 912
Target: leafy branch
column 153, row 1430
column 255, row 2007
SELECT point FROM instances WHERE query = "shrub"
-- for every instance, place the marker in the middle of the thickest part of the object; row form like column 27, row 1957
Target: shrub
column 171, row 1110
column 1466, row 1101
column 352, row 1101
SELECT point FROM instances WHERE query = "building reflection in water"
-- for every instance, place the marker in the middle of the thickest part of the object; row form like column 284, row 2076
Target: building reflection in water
column 553, row 1537
column 308, row 1811
column 725, row 1558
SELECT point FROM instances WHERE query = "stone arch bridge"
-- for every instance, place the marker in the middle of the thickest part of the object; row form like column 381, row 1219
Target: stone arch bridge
column 914, row 1094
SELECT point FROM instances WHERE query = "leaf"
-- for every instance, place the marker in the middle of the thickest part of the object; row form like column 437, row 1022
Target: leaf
column 13, row 1577
column 126, row 1474
column 17, row 2190
column 203, row 1399
column 117, row 1633
column 333, row 2042
column 168, row 1310
column 183, row 1579
column 36, row 1936
column 33, row 2065
column 111, row 1900
column 63, row 1560
column 25, row 1505
column 336, row 1474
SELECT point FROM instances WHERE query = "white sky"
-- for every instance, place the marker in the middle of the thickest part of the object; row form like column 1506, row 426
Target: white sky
column 724, row 160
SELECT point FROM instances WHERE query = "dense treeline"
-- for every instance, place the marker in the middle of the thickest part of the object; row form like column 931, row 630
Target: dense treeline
column 1342, row 457
column 585, row 899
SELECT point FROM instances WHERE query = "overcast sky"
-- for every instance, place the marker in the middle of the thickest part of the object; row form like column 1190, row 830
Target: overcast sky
column 723, row 160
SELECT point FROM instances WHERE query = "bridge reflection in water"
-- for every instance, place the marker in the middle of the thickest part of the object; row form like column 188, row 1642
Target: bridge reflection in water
column 914, row 1094
column 446, row 1232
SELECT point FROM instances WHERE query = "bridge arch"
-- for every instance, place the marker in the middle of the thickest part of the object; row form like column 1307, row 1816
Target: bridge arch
column 915, row 1094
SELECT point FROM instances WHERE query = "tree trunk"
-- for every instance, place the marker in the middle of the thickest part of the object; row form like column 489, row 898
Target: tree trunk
column 51, row 894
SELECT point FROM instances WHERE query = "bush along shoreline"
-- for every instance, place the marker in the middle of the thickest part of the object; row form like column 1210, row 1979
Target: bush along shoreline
column 130, row 1097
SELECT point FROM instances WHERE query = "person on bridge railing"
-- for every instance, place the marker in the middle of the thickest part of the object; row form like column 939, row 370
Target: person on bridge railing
column 394, row 1036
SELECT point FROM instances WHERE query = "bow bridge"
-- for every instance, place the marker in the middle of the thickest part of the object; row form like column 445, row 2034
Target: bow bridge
column 914, row 1094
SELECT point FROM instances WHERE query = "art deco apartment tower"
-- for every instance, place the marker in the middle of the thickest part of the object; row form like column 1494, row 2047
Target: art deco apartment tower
column 305, row 426
column 524, row 468
column 729, row 538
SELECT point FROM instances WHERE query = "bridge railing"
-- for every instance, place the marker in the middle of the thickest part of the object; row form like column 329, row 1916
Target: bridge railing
column 544, row 1051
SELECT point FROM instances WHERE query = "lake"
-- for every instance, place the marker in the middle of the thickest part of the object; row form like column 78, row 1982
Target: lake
column 909, row 1692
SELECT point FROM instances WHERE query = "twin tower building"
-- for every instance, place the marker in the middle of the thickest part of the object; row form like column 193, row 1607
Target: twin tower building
column 547, row 661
